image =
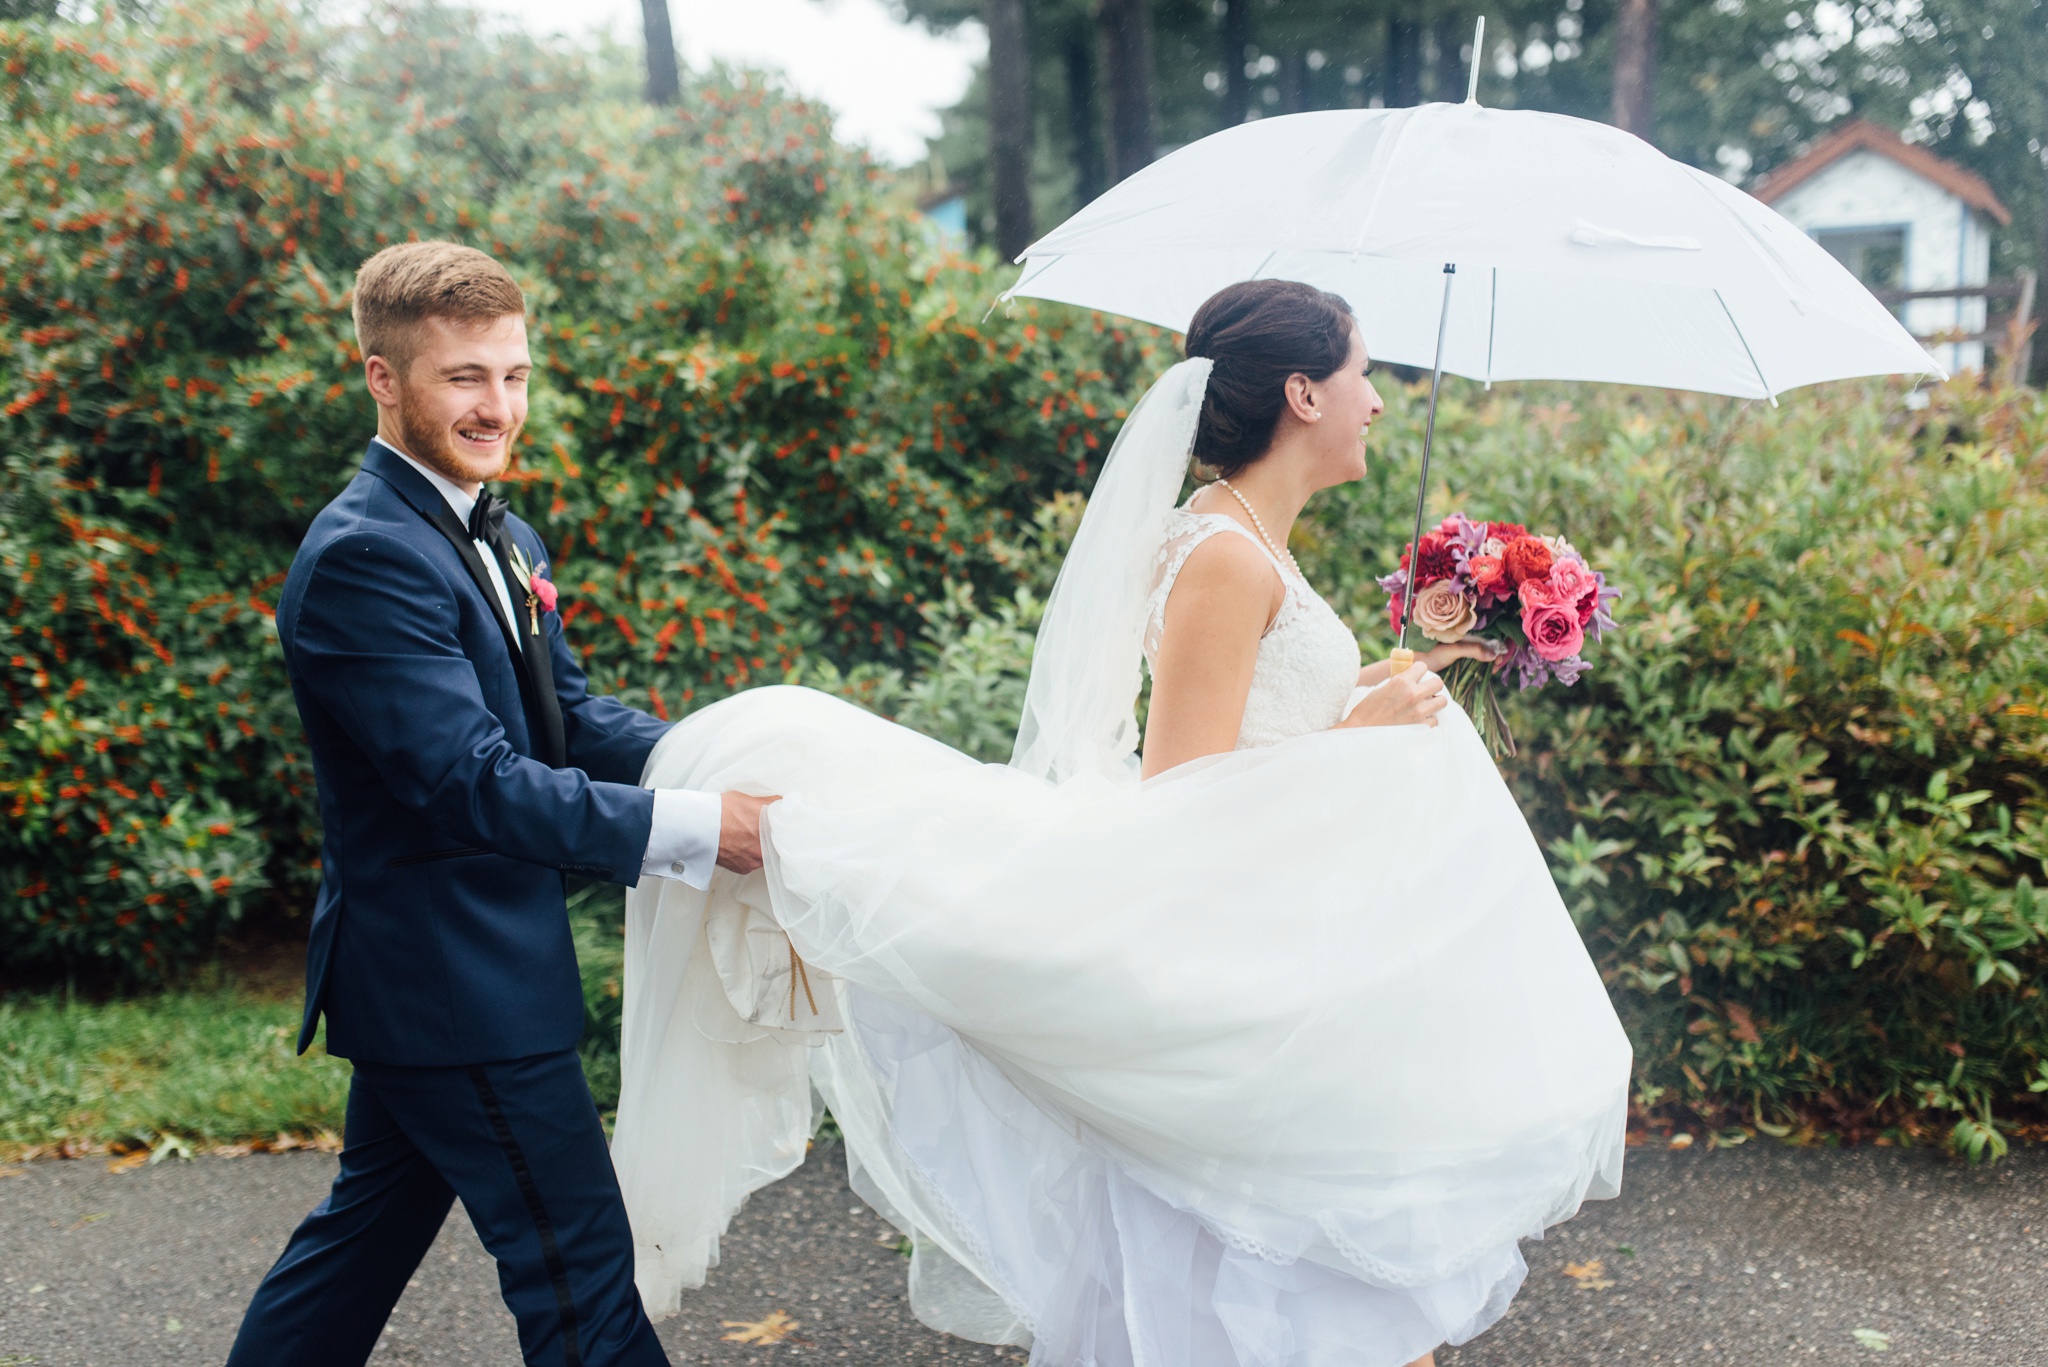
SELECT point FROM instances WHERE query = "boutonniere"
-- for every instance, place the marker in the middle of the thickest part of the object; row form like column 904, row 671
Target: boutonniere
column 540, row 591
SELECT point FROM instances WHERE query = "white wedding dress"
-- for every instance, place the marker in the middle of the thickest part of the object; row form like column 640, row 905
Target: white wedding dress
column 1270, row 1059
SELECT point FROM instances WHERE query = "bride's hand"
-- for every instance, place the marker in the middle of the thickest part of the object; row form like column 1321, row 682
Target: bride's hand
column 1414, row 696
column 1438, row 657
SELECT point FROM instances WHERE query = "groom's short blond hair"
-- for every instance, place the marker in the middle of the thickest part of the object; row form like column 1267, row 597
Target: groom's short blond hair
column 402, row 286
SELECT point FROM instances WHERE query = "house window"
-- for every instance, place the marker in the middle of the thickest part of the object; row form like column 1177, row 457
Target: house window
column 1876, row 256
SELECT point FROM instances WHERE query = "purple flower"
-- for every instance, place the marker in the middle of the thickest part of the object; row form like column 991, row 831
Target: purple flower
column 1533, row 671
column 1465, row 538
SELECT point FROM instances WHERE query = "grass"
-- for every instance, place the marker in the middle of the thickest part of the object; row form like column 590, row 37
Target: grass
column 212, row 1066
column 209, row 1068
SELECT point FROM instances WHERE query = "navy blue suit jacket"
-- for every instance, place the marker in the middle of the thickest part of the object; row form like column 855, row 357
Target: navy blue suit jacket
column 440, row 937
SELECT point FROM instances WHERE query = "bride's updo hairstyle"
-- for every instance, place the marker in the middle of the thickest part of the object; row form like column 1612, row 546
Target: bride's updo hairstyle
column 1258, row 332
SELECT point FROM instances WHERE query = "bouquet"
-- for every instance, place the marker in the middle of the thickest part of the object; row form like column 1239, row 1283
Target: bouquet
column 1533, row 599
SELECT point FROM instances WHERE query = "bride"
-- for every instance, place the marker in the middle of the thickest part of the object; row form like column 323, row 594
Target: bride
column 1264, row 1050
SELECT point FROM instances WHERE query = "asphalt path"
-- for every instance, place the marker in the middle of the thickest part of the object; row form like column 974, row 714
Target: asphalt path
column 1755, row 1255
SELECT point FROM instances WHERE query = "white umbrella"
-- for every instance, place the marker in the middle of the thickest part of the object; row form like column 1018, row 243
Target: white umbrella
column 1577, row 252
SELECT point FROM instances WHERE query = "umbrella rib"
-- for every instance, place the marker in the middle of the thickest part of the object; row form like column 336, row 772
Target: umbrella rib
column 1044, row 264
column 1493, row 298
column 1383, row 160
column 1730, row 315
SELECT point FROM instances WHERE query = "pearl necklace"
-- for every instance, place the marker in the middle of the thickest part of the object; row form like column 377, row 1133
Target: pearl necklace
column 1259, row 526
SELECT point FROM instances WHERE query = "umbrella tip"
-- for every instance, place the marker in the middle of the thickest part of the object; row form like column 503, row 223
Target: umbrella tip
column 1478, row 47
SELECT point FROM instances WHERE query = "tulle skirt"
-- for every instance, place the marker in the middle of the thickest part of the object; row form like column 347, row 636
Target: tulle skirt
column 1271, row 1059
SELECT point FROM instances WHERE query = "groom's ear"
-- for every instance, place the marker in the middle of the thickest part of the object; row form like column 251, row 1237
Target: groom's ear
column 380, row 377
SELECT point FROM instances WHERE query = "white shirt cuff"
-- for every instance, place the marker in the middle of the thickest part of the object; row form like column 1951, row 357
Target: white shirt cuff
column 683, row 842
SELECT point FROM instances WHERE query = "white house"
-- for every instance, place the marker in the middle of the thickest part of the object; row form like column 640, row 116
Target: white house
column 1902, row 219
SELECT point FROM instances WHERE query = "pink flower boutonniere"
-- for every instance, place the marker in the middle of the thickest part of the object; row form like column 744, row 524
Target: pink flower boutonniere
column 541, row 594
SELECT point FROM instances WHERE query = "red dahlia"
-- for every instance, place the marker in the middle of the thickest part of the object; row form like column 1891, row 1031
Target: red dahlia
column 1436, row 560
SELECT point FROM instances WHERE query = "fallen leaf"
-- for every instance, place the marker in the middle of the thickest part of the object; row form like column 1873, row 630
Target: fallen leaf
column 129, row 1162
column 777, row 1327
column 12, row 1172
column 1587, row 1275
column 1875, row 1340
column 168, row 1146
column 91, row 1219
column 1681, row 1141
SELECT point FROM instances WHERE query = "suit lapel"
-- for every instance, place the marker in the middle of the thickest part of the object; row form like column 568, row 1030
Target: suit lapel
column 532, row 666
column 534, row 659
column 444, row 522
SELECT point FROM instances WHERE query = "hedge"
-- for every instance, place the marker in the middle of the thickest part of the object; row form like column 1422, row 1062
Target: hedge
column 1797, row 805
column 771, row 422
column 1797, row 808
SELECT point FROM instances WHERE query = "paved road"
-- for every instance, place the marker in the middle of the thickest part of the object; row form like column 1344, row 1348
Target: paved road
column 1745, row 1257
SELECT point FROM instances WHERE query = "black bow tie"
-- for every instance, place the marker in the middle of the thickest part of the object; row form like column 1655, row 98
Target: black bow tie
column 487, row 518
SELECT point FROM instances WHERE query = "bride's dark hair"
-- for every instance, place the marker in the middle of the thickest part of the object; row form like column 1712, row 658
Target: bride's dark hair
column 1258, row 332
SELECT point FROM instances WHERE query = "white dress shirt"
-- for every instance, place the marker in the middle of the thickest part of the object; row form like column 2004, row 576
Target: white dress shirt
column 683, row 842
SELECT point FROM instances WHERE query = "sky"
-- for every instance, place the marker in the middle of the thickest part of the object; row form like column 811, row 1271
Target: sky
column 884, row 80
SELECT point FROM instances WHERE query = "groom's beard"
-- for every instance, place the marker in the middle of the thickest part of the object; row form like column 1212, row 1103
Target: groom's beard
column 426, row 441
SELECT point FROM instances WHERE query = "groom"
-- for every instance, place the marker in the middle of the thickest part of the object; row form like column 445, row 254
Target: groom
column 464, row 767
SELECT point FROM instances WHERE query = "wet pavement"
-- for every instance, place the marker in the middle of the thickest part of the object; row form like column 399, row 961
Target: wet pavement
column 1754, row 1255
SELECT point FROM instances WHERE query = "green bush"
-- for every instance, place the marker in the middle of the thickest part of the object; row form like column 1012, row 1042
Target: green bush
column 770, row 427
column 1797, row 807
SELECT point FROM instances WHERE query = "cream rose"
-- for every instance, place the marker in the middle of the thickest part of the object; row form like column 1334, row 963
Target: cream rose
column 1444, row 612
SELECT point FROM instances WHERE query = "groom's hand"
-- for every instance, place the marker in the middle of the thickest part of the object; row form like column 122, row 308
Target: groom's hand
column 739, row 831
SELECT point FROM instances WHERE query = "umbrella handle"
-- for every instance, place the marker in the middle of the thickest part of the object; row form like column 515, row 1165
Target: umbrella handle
column 1398, row 659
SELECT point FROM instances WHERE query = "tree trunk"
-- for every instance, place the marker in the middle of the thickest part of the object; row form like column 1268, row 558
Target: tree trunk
column 1448, row 33
column 1404, row 62
column 1009, row 124
column 2037, row 356
column 1237, row 40
column 1084, row 122
column 1293, row 82
column 664, row 81
column 1127, row 37
column 1635, row 68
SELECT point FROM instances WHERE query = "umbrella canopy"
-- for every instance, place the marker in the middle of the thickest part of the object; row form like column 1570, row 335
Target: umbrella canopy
column 1581, row 252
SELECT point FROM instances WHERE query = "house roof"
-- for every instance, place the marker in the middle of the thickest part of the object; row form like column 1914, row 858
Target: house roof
column 1861, row 135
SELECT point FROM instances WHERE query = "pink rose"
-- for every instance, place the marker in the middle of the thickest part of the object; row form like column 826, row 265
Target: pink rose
column 544, row 590
column 1553, row 629
column 1573, row 585
column 1536, row 593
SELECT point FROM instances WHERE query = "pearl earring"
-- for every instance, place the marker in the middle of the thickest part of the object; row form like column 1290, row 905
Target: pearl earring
column 1315, row 412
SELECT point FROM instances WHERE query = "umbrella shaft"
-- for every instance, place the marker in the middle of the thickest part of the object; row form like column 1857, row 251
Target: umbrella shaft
column 1436, row 380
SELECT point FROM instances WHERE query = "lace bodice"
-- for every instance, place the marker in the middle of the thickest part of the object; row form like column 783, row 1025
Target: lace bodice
column 1308, row 659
